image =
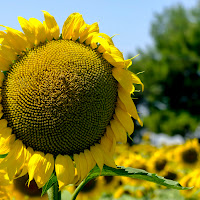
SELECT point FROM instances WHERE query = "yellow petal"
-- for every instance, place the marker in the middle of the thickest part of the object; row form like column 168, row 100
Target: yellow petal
column 39, row 31
column 116, row 51
column 108, row 38
column 125, row 120
column 52, row 28
column 4, row 63
column 130, row 106
column 29, row 30
column 114, row 59
column 14, row 160
column 123, row 76
column 83, row 165
column 1, row 114
column 77, row 162
column 5, row 132
column 110, row 133
column 103, row 44
column 98, row 156
column 136, row 80
column 109, row 145
column 15, row 39
column 128, row 63
column 106, row 143
column 65, row 170
column 90, row 37
column 118, row 130
column 78, row 23
column 3, row 124
column 94, row 28
column 19, row 163
column 71, row 26
column 28, row 152
column 90, row 160
column 8, row 53
column 43, row 173
column 34, row 164
column 5, row 142
column 108, row 159
column 120, row 104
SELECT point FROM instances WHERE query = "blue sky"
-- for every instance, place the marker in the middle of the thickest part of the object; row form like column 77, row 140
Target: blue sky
column 130, row 19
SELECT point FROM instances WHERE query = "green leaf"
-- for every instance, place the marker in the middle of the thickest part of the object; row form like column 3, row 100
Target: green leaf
column 53, row 180
column 134, row 173
column 3, row 155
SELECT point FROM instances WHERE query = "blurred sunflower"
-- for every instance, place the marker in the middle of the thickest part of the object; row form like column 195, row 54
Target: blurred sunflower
column 145, row 150
column 132, row 159
column 18, row 189
column 158, row 163
column 65, row 99
column 91, row 191
column 129, row 192
column 4, row 183
column 187, row 154
column 192, row 179
column 128, row 185
column 109, row 183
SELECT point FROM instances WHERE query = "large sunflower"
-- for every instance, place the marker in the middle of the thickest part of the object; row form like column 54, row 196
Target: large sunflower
column 65, row 99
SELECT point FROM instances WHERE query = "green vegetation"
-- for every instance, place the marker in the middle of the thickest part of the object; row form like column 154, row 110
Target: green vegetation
column 172, row 72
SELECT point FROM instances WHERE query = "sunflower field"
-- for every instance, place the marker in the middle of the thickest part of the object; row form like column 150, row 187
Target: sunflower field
column 175, row 162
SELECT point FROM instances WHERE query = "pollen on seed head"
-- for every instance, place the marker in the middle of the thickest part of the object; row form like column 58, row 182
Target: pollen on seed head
column 59, row 97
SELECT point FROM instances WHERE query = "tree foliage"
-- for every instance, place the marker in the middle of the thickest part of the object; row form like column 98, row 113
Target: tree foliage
column 172, row 71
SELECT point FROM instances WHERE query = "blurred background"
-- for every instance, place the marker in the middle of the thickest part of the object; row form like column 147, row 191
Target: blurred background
column 170, row 103
column 166, row 35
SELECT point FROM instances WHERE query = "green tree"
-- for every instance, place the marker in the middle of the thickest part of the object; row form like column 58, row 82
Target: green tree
column 172, row 72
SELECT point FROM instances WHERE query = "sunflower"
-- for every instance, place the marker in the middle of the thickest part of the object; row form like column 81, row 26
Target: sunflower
column 17, row 189
column 192, row 179
column 159, row 162
column 4, row 183
column 143, row 149
column 187, row 154
column 132, row 159
column 91, row 191
column 65, row 99
column 109, row 184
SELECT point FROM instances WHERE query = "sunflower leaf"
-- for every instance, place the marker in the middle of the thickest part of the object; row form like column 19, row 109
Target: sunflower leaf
column 134, row 173
column 53, row 180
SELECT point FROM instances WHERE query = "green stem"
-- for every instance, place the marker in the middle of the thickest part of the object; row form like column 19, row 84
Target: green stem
column 54, row 193
column 79, row 188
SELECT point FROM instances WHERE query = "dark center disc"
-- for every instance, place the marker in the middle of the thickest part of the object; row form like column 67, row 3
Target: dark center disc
column 59, row 97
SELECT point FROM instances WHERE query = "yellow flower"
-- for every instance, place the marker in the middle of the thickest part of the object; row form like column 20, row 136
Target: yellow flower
column 132, row 159
column 130, row 192
column 145, row 150
column 191, row 180
column 4, row 183
column 109, row 183
column 18, row 190
column 187, row 155
column 159, row 162
column 65, row 99
column 91, row 191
